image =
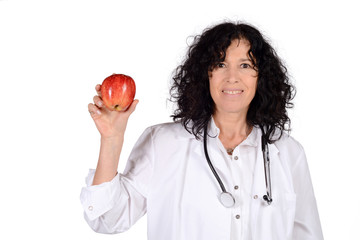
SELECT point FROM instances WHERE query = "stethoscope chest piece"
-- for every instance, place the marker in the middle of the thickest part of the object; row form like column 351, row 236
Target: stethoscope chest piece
column 227, row 200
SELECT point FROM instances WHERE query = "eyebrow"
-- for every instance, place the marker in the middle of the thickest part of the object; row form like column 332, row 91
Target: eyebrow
column 244, row 59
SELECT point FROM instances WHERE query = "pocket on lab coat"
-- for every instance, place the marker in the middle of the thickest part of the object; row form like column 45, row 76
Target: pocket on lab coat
column 276, row 221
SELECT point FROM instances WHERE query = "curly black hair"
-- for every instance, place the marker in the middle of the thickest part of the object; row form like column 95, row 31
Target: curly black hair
column 190, row 87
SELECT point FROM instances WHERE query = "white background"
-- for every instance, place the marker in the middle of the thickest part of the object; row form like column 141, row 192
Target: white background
column 53, row 53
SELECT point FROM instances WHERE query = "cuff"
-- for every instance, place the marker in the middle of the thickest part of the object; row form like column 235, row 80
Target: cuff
column 98, row 199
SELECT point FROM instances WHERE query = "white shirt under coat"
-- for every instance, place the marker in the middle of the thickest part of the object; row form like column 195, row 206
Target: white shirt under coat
column 167, row 177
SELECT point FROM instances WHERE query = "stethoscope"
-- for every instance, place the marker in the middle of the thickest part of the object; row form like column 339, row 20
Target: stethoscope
column 226, row 198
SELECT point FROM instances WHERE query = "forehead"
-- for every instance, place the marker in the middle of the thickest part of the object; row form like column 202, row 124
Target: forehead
column 238, row 47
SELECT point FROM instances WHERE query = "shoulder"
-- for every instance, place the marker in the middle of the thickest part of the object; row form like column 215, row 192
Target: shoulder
column 169, row 130
column 289, row 147
column 160, row 136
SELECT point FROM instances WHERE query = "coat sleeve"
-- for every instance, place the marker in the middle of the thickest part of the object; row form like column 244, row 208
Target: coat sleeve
column 307, row 222
column 114, row 206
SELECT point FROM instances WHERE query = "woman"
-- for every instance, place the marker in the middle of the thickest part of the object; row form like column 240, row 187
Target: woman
column 232, row 92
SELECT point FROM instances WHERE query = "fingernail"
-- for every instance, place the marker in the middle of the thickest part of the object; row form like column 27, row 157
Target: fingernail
column 100, row 104
column 98, row 112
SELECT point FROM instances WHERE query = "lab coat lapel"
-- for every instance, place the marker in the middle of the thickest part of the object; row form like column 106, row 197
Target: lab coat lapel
column 259, row 185
column 217, row 159
column 221, row 163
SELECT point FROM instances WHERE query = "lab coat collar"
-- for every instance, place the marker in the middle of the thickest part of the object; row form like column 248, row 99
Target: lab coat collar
column 251, row 140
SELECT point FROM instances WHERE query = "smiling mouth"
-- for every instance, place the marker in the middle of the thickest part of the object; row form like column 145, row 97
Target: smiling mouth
column 233, row 92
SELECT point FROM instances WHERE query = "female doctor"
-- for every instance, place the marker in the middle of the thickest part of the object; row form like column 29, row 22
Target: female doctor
column 225, row 168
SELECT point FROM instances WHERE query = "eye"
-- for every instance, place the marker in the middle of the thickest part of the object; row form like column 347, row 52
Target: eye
column 220, row 65
column 245, row 65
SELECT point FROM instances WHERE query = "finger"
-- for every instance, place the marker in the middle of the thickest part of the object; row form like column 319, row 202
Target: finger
column 98, row 102
column 93, row 110
column 98, row 89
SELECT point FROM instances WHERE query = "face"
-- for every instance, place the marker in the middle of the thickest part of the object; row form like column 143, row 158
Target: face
column 233, row 82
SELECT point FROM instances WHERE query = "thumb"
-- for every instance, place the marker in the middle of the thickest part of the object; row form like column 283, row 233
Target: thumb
column 132, row 107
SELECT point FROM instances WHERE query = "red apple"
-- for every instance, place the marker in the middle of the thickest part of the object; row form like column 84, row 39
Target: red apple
column 118, row 92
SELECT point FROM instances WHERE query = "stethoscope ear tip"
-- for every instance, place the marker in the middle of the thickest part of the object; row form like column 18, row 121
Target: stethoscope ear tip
column 267, row 199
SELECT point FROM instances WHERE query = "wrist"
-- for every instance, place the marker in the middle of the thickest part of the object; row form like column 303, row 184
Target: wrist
column 112, row 139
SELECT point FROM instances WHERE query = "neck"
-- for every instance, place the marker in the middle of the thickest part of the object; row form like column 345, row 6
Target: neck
column 233, row 128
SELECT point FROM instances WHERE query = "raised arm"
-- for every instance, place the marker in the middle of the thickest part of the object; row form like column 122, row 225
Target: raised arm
column 111, row 126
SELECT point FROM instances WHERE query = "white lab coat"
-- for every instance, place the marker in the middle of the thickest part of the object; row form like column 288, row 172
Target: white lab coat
column 168, row 178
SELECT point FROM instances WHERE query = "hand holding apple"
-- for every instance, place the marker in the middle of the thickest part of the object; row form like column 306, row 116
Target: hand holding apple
column 112, row 123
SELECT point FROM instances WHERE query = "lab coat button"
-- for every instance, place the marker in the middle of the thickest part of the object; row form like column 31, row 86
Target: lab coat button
column 90, row 208
column 236, row 187
column 256, row 196
column 237, row 216
column 236, row 158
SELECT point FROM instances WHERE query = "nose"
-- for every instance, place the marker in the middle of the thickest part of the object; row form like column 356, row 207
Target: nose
column 232, row 75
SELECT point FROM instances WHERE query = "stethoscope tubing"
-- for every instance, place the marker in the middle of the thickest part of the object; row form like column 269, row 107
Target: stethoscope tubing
column 229, row 199
column 265, row 151
column 223, row 189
